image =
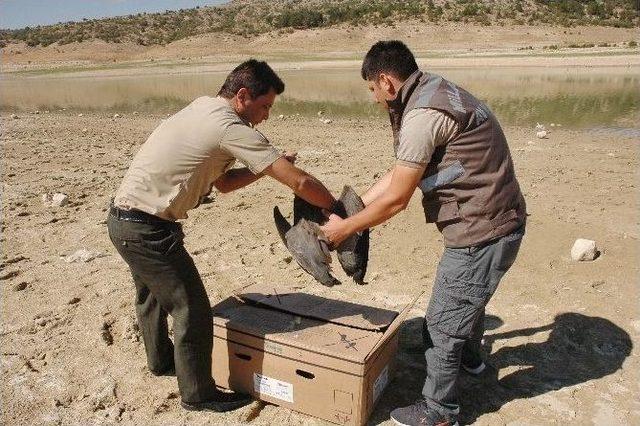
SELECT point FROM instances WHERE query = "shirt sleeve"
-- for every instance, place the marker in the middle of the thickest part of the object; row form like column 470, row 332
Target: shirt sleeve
column 250, row 147
column 422, row 130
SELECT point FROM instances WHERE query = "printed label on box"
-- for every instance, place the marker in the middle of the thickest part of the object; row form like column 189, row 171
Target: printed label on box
column 278, row 389
column 380, row 383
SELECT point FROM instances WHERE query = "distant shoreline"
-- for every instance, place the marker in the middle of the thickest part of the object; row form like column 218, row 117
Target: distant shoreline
column 566, row 59
column 446, row 45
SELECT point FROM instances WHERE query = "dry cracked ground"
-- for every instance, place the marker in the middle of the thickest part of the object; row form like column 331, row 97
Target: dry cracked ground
column 562, row 335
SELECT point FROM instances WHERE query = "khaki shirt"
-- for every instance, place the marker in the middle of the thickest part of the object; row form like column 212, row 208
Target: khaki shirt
column 421, row 131
column 184, row 155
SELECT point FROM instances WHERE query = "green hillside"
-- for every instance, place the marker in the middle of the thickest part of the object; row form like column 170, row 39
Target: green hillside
column 252, row 17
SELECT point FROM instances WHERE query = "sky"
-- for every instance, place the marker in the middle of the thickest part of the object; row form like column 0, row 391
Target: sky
column 22, row 13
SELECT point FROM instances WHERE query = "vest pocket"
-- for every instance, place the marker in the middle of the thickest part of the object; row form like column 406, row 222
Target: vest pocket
column 504, row 222
column 441, row 178
column 440, row 211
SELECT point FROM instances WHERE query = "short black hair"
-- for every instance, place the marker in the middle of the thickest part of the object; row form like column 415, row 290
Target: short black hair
column 392, row 57
column 256, row 76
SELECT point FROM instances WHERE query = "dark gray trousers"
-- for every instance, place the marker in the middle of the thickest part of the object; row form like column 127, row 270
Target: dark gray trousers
column 466, row 279
column 168, row 283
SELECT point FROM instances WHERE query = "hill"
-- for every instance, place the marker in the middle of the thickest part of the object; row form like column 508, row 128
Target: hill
column 252, row 17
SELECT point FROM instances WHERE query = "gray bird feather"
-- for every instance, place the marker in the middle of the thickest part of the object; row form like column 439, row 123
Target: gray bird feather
column 353, row 253
column 303, row 240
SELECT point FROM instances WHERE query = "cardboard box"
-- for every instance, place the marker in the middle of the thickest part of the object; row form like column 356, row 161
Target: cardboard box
column 328, row 358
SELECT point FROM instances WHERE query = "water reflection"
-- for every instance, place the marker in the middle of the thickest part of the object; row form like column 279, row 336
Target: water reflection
column 576, row 97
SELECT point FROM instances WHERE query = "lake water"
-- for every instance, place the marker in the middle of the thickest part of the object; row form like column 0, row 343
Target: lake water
column 597, row 98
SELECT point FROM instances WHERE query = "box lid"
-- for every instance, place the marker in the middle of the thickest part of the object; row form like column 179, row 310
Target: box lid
column 292, row 321
column 290, row 299
column 295, row 336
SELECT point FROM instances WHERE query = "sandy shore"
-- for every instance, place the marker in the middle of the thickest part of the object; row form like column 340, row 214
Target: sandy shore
column 560, row 332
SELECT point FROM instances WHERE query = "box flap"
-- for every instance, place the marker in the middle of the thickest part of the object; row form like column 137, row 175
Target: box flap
column 396, row 324
column 290, row 299
column 293, row 331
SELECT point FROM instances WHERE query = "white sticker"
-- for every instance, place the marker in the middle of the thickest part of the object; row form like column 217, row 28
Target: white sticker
column 380, row 383
column 267, row 386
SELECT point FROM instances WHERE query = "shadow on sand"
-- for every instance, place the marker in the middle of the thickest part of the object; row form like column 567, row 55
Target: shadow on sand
column 579, row 348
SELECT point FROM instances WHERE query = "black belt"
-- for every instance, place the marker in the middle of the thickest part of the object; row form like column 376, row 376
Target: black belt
column 136, row 216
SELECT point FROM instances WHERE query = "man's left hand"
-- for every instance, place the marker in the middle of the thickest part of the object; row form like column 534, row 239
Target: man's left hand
column 334, row 230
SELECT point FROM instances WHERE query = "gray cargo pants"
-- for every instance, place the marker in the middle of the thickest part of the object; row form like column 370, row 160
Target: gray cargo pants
column 454, row 323
column 167, row 283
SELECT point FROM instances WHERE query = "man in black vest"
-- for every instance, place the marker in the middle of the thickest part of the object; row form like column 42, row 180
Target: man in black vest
column 450, row 145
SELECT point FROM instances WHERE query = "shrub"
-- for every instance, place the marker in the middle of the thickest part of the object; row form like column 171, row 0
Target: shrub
column 299, row 18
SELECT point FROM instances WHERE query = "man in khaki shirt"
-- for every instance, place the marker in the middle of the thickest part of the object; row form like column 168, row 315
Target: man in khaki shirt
column 183, row 159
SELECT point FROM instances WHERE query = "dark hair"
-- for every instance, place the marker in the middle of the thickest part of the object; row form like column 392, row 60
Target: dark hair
column 255, row 76
column 392, row 57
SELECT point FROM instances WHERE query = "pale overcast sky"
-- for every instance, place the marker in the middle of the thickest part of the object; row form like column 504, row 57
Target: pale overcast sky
column 22, row 13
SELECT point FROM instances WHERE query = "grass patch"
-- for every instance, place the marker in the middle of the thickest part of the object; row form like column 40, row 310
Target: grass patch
column 571, row 110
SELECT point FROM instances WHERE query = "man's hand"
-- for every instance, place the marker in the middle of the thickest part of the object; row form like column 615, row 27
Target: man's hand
column 403, row 182
column 334, row 230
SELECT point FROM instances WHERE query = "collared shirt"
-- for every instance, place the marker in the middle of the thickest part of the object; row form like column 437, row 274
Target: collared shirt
column 421, row 131
column 186, row 153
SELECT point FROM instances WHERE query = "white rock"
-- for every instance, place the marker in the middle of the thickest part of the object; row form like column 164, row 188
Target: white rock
column 14, row 116
column 85, row 130
column 116, row 115
column 326, row 121
column 83, row 255
column 135, row 112
column 540, row 127
column 80, row 115
column 541, row 134
column 57, row 199
column 320, row 113
column 584, row 250
column 281, row 116
column 103, row 393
